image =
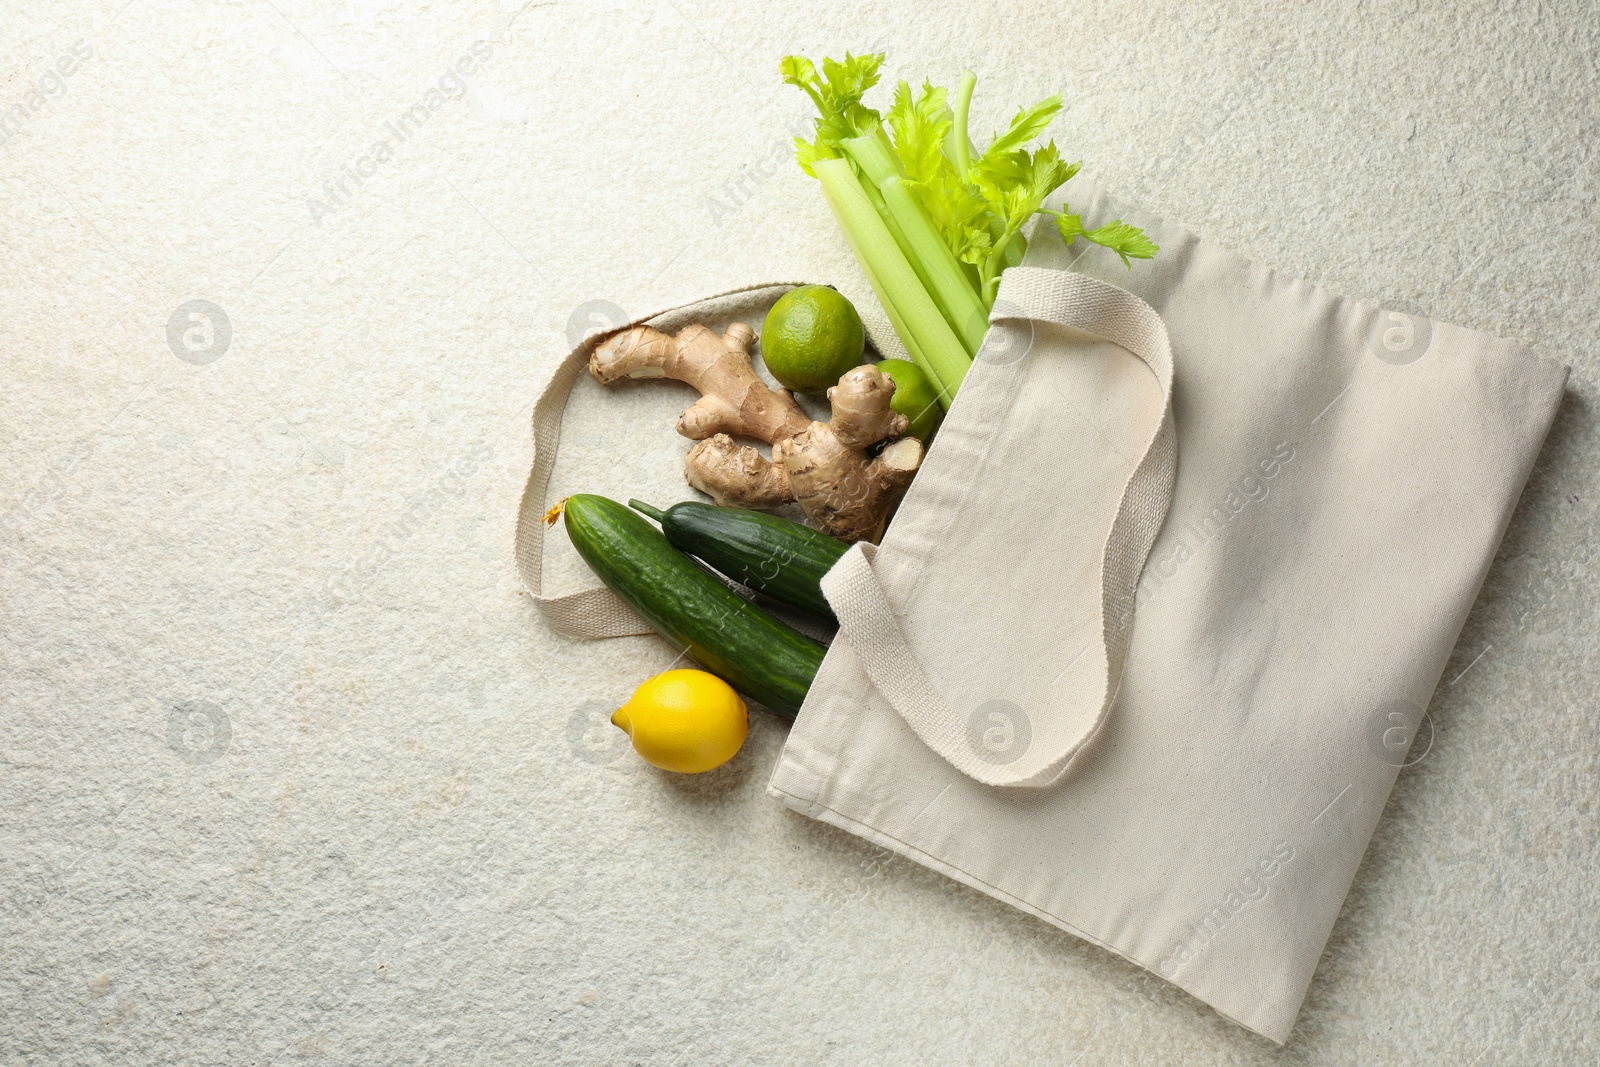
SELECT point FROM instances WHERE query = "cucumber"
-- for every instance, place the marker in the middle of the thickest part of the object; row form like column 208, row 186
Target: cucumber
column 773, row 555
column 724, row 633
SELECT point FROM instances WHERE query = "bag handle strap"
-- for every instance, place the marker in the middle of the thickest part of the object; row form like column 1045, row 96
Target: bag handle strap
column 595, row 612
column 871, row 625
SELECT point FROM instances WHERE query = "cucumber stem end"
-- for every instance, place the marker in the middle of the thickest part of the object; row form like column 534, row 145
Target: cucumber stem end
column 654, row 512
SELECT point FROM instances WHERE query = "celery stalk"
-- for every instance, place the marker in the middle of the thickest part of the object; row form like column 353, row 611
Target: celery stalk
column 896, row 284
column 898, row 322
column 875, row 198
column 958, row 131
column 900, row 329
column 873, row 155
column 936, row 266
column 946, row 280
column 874, row 159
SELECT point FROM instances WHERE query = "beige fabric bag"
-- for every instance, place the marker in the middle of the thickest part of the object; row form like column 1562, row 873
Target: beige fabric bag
column 1188, row 779
column 1144, row 647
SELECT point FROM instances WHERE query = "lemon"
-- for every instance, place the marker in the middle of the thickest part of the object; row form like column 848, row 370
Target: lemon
column 685, row 721
column 811, row 337
column 914, row 396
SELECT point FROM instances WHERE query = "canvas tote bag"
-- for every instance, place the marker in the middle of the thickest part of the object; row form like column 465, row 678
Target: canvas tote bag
column 1145, row 645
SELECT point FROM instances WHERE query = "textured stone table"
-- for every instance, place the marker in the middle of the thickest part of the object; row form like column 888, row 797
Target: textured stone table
column 289, row 770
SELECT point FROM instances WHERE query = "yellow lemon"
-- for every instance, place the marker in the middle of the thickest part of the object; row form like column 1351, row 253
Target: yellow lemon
column 685, row 721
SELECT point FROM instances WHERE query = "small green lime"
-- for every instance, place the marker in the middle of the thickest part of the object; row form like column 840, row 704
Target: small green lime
column 811, row 337
column 914, row 396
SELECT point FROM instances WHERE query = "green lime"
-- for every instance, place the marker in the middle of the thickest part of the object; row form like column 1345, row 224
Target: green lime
column 914, row 396
column 811, row 337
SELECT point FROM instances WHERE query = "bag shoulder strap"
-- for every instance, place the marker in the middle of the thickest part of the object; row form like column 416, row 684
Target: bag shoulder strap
column 869, row 623
column 595, row 612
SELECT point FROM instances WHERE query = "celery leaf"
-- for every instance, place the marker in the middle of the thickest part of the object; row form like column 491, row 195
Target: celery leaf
column 920, row 127
column 1123, row 238
column 837, row 93
column 1029, row 123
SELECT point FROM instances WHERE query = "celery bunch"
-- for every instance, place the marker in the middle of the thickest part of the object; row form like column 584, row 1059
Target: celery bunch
column 932, row 221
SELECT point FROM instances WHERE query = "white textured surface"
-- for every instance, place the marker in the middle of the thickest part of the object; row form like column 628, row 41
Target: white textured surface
column 409, row 850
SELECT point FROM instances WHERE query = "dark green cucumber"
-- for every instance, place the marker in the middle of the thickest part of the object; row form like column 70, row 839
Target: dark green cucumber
column 724, row 633
column 780, row 558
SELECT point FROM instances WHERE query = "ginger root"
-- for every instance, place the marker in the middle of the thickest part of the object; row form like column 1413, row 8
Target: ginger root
column 822, row 466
